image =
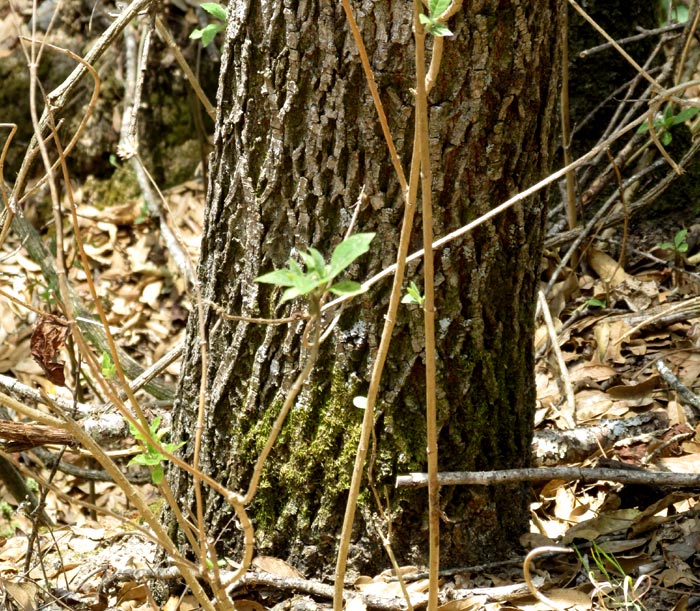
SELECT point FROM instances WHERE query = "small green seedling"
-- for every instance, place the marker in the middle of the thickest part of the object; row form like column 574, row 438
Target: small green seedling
column 663, row 124
column 317, row 278
column 614, row 587
column 109, row 369
column 210, row 565
column 413, row 295
column 431, row 21
column 678, row 14
column 150, row 456
column 679, row 246
column 593, row 302
column 46, row 292
column 208, row 33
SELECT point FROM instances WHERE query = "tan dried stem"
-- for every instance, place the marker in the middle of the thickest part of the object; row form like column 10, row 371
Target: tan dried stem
column 438, row 44
column 7, row 221
column 616, row 45
column 410, row 192
column 140, row 504
column 369, row 75
column 528, row 577
column 516, row 199
column 571, row 207
column 182, row 62
column 129, row 148
column 423, row 129
column 141, row 424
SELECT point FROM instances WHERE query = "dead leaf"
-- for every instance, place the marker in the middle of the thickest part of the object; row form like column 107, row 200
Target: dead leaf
column 48, row 338
column 355, row 603
column 273, row 565
column 609, row 522
column 253, row 605
column 24, row 593
column 632, row 391
column 681, row 464
column 132, row 591
column 470, row 603
column 569, row 598
column 606, row 267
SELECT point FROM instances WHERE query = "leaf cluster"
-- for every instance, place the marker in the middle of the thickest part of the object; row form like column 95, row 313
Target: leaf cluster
column 151, row 456
column 431, row 21
column 109, row 369
column 667, row 121
column 318, row 275
column 209, row 32
column 679, row 244
column 413, row 295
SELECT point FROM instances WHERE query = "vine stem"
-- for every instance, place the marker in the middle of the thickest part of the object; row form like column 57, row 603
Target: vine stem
column 409, row 192
column 422, row 131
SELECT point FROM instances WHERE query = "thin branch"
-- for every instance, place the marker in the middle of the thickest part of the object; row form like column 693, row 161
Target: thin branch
column 623, row 41
column 570, row 413
column 544, row 474
column 688, row 396
column 426, row 179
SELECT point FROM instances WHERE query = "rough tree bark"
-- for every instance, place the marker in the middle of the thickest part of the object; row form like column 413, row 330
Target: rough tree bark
column 296, row 140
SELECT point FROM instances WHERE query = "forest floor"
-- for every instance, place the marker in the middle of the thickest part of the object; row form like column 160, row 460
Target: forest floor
column 637, row 546
column 604, row 399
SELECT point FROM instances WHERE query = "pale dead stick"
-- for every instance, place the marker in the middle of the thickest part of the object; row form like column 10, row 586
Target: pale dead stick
column 679, row 306
column 570, row 413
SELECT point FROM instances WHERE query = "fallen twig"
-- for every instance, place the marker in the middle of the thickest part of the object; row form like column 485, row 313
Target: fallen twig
column 552, row 448
column 510, row 476
column 688, row 397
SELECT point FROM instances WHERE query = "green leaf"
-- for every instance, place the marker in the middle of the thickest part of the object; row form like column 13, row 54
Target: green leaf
column 438, row 7
column 196, row 34
column 347, row 251
column 315, row 264
column 684, row 115
column 215, row 10
column 290, row 294
column 681, row 13
column 155, row 423
column 172, row 447
column 209, row 33
column 679, row 238
column 425, row 20
column 147, row 460
column 347, row 287
column 413, row 295
column 280, row 277
column 666, row 245
column 303, row 287
column 157, row 474
column 319, row 263
column 595, row 303
column 666, row 138
column 644, row 127
column 308, row 260
column 109, row 369
column 306, row 284
column 439, row 30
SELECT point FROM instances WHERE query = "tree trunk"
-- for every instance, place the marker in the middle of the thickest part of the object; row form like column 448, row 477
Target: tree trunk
column 296, row 140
